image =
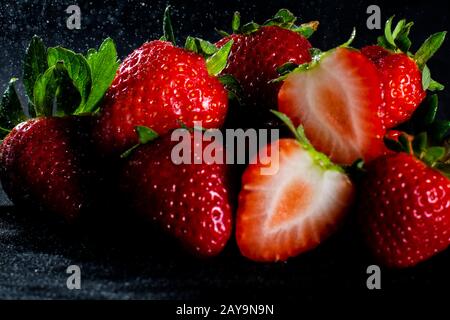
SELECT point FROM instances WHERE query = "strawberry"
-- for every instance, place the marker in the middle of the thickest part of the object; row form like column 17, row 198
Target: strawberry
column 47, row 163
column 289, row 212
column 190, row 202
column 160, row 86
column 258, row 51
column 405, row 210
column 338, row 101
column 404, row 76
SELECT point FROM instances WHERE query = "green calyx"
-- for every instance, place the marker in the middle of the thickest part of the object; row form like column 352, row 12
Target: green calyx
column 145, row 135
column 299, row 133
column 11, row 111
column 168, row 34
column 283, row 18
column 233, row 87
column 420, row 147
column 430, row 144
column 219, row 59
column 59, row 82
column 316, row 56
column 397, row 40
column 216, row 58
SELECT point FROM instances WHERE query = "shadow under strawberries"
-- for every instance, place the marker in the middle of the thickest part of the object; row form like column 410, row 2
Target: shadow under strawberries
column 129, row 259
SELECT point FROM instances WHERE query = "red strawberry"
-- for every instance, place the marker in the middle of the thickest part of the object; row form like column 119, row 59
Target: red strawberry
column 258, row 52
column 189, row 201
column 395, row 135
column 402, row 85
column 338, row 101
column 159, row 86
column 46, row 163
column 404, row 210
column 401, row 72
column 293, row 202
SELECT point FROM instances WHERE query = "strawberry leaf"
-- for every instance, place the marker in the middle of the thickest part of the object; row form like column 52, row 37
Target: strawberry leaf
column 350, row 40
column 398, row 29
column 77, row 68
column 236, row 22
column 200, row 46
column 429, row 48
column 439, row 130
column 288, row 122
column 11, row 111
column 190, row 44
column 67, row 96
column 402, row 40
column 249, row 27
column 218, row 61
column 426, row 78
column 222, row 33
column 103, row 65
column 48, row 88
column 381, row 41
column 420, row 144
column 283, row 18
column 435, row 86
column 398, row 39
column 35, row 64
column 168, row 34
column 299, row 134
column 286, row 68
column 434, row 154
column 432, row 107
column 444, row 168
column 405, row 143
column 388, row 32
column 146, row 134
column 232, row 85
column 306, row 29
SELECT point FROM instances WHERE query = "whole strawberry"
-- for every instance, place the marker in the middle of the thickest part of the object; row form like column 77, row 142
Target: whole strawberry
column 405, row 206
column 404, row 76
column 160, row 86
column 47, row 163
column 189, row 201
column 258, row 51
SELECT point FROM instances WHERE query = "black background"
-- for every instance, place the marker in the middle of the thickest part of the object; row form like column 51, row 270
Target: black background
column 34, row 254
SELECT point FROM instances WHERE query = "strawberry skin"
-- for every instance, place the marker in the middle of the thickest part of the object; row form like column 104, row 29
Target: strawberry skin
column 159, row 86
column 46, row 164
column 254, row 60
column 339, row 103
column 191, row 202
column 404, row 210
column 402, row 84
column 292, row 211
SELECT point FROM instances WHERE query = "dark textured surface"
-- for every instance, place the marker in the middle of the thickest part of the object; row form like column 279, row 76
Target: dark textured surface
column 118, row 263
column 126, row 262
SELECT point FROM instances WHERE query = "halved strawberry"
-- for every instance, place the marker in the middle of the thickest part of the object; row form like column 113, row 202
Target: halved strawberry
column 338, row 101
column 294, row 210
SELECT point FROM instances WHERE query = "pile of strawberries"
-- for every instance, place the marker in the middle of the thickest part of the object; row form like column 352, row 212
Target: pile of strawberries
column 93, row 125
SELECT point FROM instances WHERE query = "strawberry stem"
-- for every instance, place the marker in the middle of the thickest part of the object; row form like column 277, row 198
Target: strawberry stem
column 299, row 133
